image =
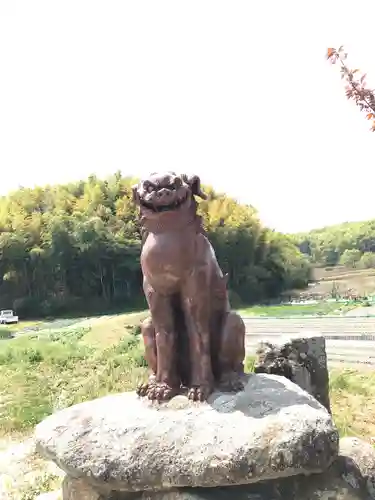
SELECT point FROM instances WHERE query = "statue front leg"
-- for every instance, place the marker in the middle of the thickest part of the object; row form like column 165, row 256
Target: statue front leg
column 149, row 341
column 196, row 305
column 166, row 383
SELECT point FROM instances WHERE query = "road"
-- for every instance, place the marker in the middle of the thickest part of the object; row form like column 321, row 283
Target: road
column 350, row 341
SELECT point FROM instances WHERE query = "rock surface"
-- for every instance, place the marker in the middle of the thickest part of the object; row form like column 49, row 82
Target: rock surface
column 77, row 489
column 52, row 495
column 342, row 481
column 362, row 454
column 22, row 470
column 120, row 442
column 301, row 360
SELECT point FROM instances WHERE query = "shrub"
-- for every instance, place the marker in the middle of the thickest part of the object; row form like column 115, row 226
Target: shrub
column 5, row 333
column 42, row 373
column 249, row 364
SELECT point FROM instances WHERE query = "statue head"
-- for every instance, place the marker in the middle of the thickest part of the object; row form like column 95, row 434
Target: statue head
column 161, row 193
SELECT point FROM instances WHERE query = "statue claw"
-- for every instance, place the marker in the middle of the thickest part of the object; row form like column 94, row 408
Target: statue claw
column 199, row 393
column 143, row 389
column 160, row 392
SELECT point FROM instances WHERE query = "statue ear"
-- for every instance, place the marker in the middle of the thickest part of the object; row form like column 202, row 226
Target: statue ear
column 194, row 182
column 135, row 195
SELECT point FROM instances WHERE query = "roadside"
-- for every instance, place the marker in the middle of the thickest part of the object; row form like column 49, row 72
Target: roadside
column 49, row 369
column 362, row 311
column 318, row 309
column 23, row 474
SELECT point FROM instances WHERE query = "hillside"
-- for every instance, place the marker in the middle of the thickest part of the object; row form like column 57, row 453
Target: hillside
column 351, row 244
column 338, row 282
column 343, row 256
column 76, row 247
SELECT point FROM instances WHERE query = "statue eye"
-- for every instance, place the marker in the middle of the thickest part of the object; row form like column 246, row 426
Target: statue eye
column 147, row 186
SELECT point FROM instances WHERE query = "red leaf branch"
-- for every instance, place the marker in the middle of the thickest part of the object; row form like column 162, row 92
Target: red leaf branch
column 355, row 87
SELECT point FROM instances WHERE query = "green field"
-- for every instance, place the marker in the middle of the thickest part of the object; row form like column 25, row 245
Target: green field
column 40, row 375
column 45, row 371
column 118, row 321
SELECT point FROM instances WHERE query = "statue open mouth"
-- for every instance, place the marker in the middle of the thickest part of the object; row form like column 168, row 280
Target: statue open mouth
column 166, row 192
column 160, row 204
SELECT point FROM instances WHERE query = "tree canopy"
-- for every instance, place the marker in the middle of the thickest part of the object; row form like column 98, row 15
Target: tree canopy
column 77, row 247
column 351, row 244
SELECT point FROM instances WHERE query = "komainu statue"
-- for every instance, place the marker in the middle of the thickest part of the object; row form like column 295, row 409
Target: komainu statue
column 192, row 339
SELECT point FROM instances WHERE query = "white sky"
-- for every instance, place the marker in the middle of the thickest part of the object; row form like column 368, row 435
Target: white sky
column 237, row 91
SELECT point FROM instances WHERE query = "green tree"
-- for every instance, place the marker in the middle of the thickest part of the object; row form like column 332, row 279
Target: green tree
column 350, row 258
column 77, row 247
column 334, row 244
column 367, row 260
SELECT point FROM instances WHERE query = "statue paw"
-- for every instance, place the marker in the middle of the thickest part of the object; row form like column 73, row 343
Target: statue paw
column 231, row 382
column 160, row 392
column 142, row 389
column 199, row 393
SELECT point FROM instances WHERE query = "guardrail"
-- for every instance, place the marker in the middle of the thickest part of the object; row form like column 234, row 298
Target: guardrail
column 349, row 340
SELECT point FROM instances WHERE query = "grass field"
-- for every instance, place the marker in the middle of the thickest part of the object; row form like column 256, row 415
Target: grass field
column 342, row 281
column 325, row 279
column 48, row 370
column 45, row 371
column 116, row 323
column 40, row 374
column 24, row 324
column 353, row 402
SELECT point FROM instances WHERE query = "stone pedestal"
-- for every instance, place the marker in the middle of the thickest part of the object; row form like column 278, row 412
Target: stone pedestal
column 350, row 477
column 301, row 360
column 74, row 489
column 120, row 444
column 273, row 441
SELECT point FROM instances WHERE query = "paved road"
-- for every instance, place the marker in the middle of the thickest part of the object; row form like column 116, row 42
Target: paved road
column 350, row 341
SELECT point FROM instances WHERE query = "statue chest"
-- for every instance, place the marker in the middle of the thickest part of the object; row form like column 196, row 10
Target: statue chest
column 168, row 254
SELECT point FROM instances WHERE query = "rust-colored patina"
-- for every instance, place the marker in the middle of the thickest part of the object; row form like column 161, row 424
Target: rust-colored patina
column 192, row 338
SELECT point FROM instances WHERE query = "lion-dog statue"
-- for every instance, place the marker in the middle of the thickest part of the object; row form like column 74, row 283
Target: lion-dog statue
column 192, row 339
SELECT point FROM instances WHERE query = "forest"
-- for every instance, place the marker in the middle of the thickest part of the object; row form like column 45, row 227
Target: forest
column 76, row 248
column 351, row 244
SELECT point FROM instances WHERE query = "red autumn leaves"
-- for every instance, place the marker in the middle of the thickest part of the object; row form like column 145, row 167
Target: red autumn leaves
column 355, row 86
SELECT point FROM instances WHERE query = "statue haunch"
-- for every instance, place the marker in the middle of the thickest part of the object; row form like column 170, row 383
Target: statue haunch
column 192, row 339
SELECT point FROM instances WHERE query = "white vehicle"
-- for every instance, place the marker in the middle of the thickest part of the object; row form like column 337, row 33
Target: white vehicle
column 7, row 317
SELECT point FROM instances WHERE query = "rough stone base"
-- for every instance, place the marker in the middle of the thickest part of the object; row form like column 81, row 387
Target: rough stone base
column 342, row 481
column 350, row 477
column 269, row 430
column 301, row 360
column 76, row 489
column 362, row 455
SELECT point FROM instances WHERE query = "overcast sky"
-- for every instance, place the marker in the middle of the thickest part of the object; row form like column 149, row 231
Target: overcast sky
column 238, row 92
